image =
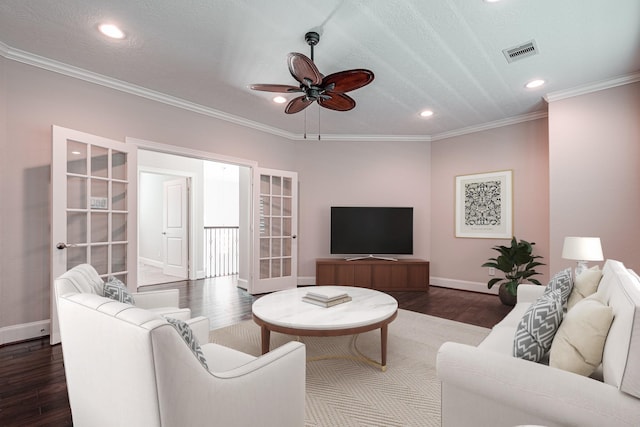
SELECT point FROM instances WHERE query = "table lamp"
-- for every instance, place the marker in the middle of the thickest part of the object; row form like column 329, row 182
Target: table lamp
column 582, row 249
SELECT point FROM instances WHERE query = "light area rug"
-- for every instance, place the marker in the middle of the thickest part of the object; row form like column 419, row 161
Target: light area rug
column 348, row 392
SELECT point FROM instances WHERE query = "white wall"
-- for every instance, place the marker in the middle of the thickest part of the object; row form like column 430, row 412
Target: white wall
column 221, row 194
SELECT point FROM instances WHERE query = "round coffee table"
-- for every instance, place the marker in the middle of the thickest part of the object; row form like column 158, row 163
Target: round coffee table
column 285, row 312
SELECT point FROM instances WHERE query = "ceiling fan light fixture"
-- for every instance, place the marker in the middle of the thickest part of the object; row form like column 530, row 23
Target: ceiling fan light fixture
column 534, row 84
column 279, row 99
column 426, row 113
column 112, row 31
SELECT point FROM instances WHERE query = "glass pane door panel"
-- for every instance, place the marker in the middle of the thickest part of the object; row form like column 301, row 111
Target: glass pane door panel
column 265, row 205
column 276, row 246
column 76, row 157
column 100, row 258
column 119, row 196
column 76, row 192
column 76, row 256
column 265, row 184
column 119, row 257
column 276, row 227
column 264, row 248
column 264, row 269
column 275, row 268
column 76, row 227
column 286, row 247
column 118, row 227
column 286, row 206
column 276, row 185
column 286, row 227
column 276, row 206
column 99, row 227
column 286, row 266
column 119, row 165
column 286, row 187
column 100, row 188
column 265, row 227
column 99, row 161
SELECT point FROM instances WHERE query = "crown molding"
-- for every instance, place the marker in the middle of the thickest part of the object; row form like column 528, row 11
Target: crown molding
column 592, row 87
column 68, row 70
column 491, row 125
column 364, row 138
column 99, row 79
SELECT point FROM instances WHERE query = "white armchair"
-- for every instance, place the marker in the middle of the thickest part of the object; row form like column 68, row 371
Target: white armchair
column 126, row 366
column 85, row 279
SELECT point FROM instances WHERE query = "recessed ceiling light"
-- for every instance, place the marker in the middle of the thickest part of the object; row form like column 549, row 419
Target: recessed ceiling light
column 279, row 99
column 426, row 113
column 491, row 1
column 111, row 30
column 534, row 84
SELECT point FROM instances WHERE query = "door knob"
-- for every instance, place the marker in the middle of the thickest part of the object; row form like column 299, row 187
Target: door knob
column 62, row 245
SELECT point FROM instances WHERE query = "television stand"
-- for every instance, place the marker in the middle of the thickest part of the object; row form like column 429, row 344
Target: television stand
column 381, row 258
column 368, row 272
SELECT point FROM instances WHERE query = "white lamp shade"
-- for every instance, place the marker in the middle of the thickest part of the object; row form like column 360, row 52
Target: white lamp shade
column 582, row 249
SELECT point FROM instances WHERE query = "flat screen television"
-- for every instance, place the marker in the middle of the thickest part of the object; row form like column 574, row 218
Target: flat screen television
column 371, row 230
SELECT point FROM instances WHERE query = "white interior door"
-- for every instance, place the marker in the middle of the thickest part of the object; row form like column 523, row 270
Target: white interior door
column 93, row 213
column 175, row 227
column 276, row 222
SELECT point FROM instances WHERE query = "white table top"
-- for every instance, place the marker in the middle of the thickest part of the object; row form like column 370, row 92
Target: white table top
column 286, row 308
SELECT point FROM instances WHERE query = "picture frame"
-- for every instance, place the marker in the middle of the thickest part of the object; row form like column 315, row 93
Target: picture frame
column 484, row 205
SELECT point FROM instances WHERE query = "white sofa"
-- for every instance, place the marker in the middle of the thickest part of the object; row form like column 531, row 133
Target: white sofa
column 85, row 279
column 487, row 386
column 126, row 366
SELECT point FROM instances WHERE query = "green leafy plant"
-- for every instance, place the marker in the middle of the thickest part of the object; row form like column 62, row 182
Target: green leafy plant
column 517, row 262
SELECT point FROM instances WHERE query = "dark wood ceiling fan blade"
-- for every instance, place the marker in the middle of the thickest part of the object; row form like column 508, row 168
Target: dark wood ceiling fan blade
column 348, row 80
column 303, row 69
column 337, row 101
column 275, row 88
column 297, row 104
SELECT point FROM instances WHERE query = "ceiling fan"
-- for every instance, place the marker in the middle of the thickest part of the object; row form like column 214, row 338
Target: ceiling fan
column 328, row 91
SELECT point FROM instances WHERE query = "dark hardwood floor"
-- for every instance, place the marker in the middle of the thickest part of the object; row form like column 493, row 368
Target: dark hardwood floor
column 33, row 389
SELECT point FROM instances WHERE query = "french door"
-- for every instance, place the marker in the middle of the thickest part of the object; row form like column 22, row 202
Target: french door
column 93, row 215
column 275, row 244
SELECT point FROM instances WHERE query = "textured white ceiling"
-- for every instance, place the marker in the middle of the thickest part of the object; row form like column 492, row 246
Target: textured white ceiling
column 445, row 55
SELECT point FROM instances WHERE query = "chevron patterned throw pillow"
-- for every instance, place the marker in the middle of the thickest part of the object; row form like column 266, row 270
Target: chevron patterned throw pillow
column 538, row 326
column 187, row 335
column 562, row 281
column 115, row 289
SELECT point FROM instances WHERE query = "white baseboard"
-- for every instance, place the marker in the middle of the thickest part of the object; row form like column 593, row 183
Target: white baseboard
column 243, row 284
column 151, row 262
column 306, row 280
column 463, row 285
column 24, row 331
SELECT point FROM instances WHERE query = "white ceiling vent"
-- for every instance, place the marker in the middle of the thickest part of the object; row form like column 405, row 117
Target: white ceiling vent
column 521, row 51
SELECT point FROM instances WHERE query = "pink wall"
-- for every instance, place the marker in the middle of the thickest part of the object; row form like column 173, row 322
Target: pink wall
column 594, row 157
column 522, row 148
column 347, row 173
column 35, row 99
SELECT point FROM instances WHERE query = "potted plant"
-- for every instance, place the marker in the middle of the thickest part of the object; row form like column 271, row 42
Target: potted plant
column 518, row 264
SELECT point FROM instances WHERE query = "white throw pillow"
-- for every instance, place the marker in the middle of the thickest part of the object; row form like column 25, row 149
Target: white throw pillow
column 585, row 284
column 579, row 342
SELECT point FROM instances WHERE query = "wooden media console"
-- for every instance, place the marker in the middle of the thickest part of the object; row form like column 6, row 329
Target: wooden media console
column 382, row 275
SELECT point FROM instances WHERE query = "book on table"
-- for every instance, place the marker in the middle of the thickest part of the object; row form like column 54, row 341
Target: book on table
column 326, row 294
column 324, row 303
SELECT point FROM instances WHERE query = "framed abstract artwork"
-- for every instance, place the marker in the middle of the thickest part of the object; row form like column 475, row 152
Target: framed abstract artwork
column 484, row 205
